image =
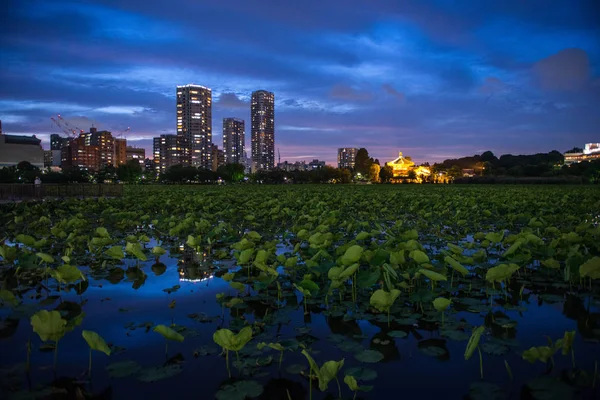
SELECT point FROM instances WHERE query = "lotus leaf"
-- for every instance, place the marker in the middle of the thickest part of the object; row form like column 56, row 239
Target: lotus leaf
column 326, row 373
column 240, row 390
column 397, row 258
column 474, row 341
column 501, row 272
column 352, row 255
column 245, row 256
column 567, row 342
column 135, row 249
column 47, row 258
column 363, row 236
column 159, row 373
column 230, row 341
column 362, row 374
column 551, row 263
column 456, row 266
column 48, row 325
column 441, row 303
column 419, row 256
column 434, row 276
column 383, row 300
column 26, row 240
column 541, row 353
column 102, row 232
column 168, row 333
column 8, row 297
column 591, row 268
column 158, row 251
column 115, row 252
column 67, row 274
column 96, row 342
column 369, row 356
column 123, row 369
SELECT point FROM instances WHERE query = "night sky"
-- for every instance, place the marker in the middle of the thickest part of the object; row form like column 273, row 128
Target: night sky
column 434, row 79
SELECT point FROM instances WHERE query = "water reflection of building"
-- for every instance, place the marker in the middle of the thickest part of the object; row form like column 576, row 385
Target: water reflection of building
column 194, row 266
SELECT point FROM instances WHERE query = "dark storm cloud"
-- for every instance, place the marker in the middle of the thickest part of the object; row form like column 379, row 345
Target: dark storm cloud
column 436, row 79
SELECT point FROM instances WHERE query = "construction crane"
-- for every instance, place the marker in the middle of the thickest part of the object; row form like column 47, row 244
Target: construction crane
column 72, row 128
column 69, row 132
column 123, row 132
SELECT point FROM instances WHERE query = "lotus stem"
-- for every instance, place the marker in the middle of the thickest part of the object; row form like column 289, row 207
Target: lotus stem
column 573, row 357
column 28, row 355
column 388, row 316
column 227, row 362
column 55, row 354
column 339, row 388
column 280, row 358
column 354, row 397
column 310, row 383
column 480, row 363
column 237, row 357
column 90, row 364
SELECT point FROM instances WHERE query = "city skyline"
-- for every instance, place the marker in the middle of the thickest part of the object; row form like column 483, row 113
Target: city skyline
column 432, row 79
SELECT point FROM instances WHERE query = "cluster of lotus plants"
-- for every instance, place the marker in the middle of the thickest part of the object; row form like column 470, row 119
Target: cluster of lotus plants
column 405, row 259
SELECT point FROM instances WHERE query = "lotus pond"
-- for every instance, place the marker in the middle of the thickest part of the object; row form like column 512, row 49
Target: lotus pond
column 303, row 292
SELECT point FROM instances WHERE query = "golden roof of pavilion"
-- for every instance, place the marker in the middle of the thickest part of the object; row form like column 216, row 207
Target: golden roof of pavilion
column 401, row 162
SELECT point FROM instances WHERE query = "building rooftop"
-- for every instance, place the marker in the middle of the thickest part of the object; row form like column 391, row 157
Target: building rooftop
column 192, row 85
column 21, row 139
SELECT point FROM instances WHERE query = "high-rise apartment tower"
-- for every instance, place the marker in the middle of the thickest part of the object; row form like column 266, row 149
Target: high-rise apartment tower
column 233, row 140
column 194, row 124
column 262, row 112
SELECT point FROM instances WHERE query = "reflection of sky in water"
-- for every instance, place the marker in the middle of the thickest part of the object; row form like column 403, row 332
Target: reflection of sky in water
column 413, row 372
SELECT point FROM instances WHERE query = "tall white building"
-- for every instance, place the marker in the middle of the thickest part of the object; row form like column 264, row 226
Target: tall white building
column 194, row 124
column 347, row 157
column 262, row 113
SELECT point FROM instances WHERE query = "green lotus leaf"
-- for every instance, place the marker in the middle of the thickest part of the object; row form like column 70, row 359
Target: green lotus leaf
column 309, row 285
column 8, row 297
column 567, row 343
column 168, row 333
column 230, row 341
column 47, row 258
column 541, row 353
column 334, row 272
column 514, row 247
column 135, row 249
column 397, row 258
column 26, row 240
column 495, row 237
column 48, row 325
column 348, row 272
column 328, row 372
column 245, row 256
column 455, row 249
column 239, row 286
column 240, row 390
column 419, row 256
column 551, row 263
column 591, row 268
column 115, row 252
column 434, row 276
column 102, row 232
column 382, row 300
column 351, row 382
column 363, row 236
column 67, row 274
column 369, row 356
column 254, row 236
column 158, row 251
column 501, row 272
column 123, row 369
column 474, row 341
column 441, row 303
column 96, row 342
column 352, row 255
column 456, row 266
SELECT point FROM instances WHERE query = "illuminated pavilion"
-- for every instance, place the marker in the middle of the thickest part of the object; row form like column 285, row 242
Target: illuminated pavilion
column 401, row 166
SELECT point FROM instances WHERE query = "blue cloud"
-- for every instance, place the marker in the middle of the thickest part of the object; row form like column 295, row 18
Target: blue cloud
column 435, row 79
